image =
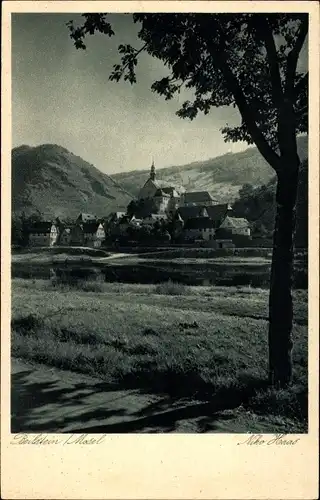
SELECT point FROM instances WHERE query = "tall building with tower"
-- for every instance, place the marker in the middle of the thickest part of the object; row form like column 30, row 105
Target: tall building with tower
column 164, row 194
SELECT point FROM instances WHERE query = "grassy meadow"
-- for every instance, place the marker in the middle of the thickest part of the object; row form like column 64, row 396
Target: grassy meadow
column 195, row 342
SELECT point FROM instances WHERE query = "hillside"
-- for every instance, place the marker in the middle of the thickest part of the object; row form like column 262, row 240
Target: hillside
column 55, row 182
column 50, row 179
column 257, row 204
column 223, row 176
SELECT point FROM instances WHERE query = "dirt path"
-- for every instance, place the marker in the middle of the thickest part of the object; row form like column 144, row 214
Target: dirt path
column 51, row 400
column 113, row 256
column 45, row 399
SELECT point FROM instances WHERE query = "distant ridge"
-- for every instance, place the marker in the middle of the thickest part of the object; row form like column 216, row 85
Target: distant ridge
column 223, row 176
column 53, row 181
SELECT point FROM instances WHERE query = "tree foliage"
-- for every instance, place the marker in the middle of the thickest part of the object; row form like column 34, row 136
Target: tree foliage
column 16, row 231
column 20, row 225
column 142, row 208
column 257, row 205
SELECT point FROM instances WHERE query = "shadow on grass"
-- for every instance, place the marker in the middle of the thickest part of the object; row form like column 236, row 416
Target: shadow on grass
column 47, row 407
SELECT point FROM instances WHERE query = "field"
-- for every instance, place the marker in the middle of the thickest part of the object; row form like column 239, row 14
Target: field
column 182, row 343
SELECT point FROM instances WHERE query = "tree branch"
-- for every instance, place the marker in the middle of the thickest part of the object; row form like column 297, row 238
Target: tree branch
column 302, row 112
column 219, row 59
column 293, row 56
column 247, row 115
column 301, row 83
column 119, row 69
column 266, row 35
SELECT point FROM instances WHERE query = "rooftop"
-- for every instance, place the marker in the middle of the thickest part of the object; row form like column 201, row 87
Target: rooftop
column 41, row 227
column 218, row 212
column 91, row 227
column 86, row 217
column 215, row 212
column 190, row 212
column 235, row 223
column 161, row 192
column 168, row 187
column 198, row 197
column 156, row 216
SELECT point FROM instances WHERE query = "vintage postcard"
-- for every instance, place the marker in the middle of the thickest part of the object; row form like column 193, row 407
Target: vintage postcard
column 160, row 250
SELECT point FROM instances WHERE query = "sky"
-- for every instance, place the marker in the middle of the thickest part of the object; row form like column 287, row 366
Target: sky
column 63, row 96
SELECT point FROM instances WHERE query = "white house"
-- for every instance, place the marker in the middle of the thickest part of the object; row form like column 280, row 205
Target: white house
column 93, row 234
column 43, row 234
column 236, row 226
column 86, row 218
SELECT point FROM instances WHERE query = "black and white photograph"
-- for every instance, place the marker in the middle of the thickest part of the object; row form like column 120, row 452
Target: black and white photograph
column 159, row 224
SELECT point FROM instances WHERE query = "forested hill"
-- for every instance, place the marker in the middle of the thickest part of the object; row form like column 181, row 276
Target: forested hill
column 258, row 205
column 223, row 176
column 53, row 181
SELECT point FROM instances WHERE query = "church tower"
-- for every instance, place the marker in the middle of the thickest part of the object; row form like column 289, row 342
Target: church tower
column 152, row 172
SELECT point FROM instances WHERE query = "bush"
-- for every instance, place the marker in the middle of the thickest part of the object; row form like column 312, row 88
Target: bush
column 142, row 349
column 80, row 278
column 26, row 325
column 90, row 286
column 150, row 331
column 77, row 284
column 171, row 288
column 292, row 402
column 78, row 336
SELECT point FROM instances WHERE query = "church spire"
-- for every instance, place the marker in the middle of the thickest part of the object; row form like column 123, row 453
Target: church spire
column 152, row 171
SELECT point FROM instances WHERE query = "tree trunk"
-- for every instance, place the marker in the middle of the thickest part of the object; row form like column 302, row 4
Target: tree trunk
column 280, row 299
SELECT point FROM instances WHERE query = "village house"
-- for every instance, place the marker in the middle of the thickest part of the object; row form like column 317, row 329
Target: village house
column 199, row 228
column 65, row 236
column 177, row 224
column 197, row 198
column 217, row 213
column 236, row 226
column 187, row 213
column 76, row 235
column 85, row 218
column 214, row 222
column 114, row 217
column 93, row 234
column 72, row 235
column 43, row 234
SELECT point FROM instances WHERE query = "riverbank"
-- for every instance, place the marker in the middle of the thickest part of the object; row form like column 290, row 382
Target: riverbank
column 186, row 266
